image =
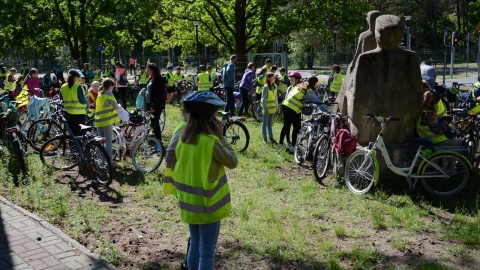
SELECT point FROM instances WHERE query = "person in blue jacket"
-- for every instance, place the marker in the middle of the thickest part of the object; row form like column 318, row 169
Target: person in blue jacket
column 228, row 79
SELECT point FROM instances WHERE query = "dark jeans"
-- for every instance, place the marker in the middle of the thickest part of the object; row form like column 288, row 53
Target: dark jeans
column 132, row 69
column 155, row 125
column 245, row 101
column 73, row 121
column 290, row 117
column 230, row 107
column 122, row 94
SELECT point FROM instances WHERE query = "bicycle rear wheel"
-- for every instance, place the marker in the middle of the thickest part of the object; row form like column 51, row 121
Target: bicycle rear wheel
column 360, row 171
column 321, row 157
column 256, row 111
column 18, row 152
column 454, row 166
column 161, row 120
column 100, row 164
column 41, row 131
column 301, row 147
column 60, row 153
column 147, row 154
column 237, row 135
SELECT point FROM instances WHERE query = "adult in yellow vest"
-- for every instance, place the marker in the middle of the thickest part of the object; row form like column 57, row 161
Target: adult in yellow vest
column 106, row 73
column 178, row 76
column 335, row 80
column 106, row 114
column 212, row 75
column 203, row 80
column 97, row 73
column 199, row 178
column 170, row 83
column 293, row 104
column 429, row 126
column 74, row 101
column 269, row 107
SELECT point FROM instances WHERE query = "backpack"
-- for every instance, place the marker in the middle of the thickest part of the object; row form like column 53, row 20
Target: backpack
column 345, row 142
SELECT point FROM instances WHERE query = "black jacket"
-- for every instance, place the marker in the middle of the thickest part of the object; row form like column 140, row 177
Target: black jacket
column 158, row 95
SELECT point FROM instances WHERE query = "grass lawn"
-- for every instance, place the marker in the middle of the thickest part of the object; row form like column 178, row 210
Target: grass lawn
column 282, row 218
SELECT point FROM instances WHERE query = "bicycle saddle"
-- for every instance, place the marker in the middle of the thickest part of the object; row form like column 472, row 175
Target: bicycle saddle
column 85, row 128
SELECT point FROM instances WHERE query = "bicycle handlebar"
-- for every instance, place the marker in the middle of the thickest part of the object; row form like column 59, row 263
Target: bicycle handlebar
column 380, row 118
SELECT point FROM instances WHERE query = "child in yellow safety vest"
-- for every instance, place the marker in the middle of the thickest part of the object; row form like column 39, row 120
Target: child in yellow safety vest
column 106, row 114
column 260, row 82
column 269, row 106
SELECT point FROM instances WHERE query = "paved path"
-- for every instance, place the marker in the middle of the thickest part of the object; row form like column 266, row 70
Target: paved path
column 29, row 242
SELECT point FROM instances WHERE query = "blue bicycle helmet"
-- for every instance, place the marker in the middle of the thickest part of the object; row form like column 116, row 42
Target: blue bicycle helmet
column 202, row 102
column 170, row 67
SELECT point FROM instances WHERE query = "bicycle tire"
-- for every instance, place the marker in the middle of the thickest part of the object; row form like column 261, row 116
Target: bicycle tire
column 321, row 157
column 475, row 156
column 256, row 111
column 322, row 94
column 360, row 171
column 41, row 131
column 99, row 163
column 232, row 131
column 301, row 148
column 147, row 154
column 57, row 153
column 22, row 116
column 452, row 164
column 19, row 152
column 161, row 120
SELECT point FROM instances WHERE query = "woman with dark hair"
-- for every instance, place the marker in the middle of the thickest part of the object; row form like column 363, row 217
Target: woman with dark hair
column 75, row 103
column 156, row 97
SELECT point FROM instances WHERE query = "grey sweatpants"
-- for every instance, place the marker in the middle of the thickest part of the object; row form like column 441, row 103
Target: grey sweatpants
column 107, row 133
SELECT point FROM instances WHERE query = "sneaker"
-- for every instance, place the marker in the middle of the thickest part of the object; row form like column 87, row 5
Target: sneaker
column 272, row 140
column 265, row 141
column 289, row 143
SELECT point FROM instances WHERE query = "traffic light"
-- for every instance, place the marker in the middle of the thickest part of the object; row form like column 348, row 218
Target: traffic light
column 454, row 39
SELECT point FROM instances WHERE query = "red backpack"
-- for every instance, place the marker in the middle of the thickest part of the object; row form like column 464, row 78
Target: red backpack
column 345, row 142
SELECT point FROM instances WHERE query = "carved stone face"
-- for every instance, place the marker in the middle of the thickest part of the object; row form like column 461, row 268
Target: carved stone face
column 388, row 31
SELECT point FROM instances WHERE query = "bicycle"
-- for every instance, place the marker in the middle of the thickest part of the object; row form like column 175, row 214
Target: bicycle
column 309, row 133
column 134, row 89
column 65, row 151
column 235, row 131
column 134, row 140
column 441, row 172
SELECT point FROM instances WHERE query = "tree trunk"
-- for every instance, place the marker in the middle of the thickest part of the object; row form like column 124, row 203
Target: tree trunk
column 240, row 38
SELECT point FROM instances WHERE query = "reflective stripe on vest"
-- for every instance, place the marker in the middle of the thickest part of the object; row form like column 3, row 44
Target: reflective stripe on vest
column 425, row 132
column 270, row 101
column 336, row 83
column 105, row 116
column 70, row 99
column 170, row 79
column 294, row 100
column 204, row 81
column 143, row 78
column 201, row 201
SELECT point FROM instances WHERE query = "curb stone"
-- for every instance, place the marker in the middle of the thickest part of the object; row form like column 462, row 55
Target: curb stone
column 74, row 244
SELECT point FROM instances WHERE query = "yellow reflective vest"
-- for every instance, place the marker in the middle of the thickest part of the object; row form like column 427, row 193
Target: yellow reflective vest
column 70, row 99
column 97, row 75
column 259, row 84
column 204, row 81
column 424, row 131
column 168, row 187
column 282, row 87
column 336, row 83
column 294, row 99
column 201, row 202
column 170, row 79
column 178, row 76
column 270, row 101
column 7, row 85
column 143, row 78
column 105, row 115
column 476, row 109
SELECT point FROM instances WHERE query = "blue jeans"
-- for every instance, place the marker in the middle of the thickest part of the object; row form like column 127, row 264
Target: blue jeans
column 267, row 126
column 230, row 107
column 245, row 101
column 203, row 243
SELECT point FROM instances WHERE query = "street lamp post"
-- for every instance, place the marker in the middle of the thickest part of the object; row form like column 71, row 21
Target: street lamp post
column 409, row 37
column 335, row 31
column 197, row 23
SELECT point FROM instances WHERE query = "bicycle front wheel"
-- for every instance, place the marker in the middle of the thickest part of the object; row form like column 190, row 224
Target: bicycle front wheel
column 147, row 154
column 456, row 169
column 256, row 111
column 60, row 153
column 161, row 120
column 237, row 135
column 360, row 172
column 19, row 152
column 321, row 157
column 301, row 147
column 100, row 164
column 41, row 131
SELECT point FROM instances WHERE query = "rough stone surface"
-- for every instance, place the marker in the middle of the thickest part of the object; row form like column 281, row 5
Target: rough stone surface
column 385, row 81
column 366, row 40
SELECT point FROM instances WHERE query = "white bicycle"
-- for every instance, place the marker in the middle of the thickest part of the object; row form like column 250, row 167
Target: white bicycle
column 443, row 171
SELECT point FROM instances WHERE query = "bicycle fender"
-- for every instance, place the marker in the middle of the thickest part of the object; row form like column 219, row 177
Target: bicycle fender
column 444, row 152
